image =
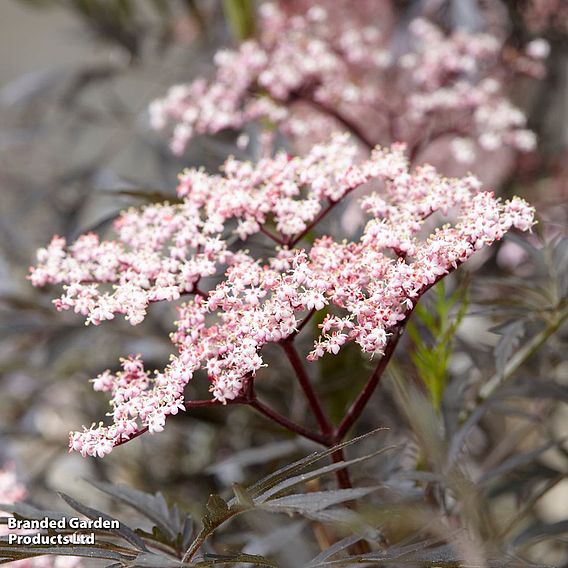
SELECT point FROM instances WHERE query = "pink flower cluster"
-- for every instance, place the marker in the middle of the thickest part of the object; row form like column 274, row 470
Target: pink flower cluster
column 293, row 55
column 456, row 78
column 367, row 287
column 544, row 15
column 162, row 252
column 12, row 491
column 135, row 397
column 306, row 70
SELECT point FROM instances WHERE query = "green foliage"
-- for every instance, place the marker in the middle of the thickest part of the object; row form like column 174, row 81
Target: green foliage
column 240, row 17
column 439, row 318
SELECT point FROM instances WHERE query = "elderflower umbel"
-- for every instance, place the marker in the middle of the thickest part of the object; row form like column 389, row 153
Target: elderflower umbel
column 368, row 287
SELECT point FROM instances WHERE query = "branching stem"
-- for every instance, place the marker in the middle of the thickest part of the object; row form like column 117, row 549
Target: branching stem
column 272, row 236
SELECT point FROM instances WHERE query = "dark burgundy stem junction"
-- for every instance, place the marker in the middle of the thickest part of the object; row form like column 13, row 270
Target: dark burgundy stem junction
column 325, row 425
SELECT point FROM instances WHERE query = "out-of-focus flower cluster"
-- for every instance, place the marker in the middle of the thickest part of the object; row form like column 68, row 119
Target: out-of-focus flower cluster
column 12, row 491
column 294, row 56
column 367, row 287
column 307, row 70
column 543, row 15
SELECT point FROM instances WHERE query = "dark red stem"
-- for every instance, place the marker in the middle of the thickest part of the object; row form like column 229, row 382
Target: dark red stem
column 341, row 475
column 293, row 242
column 188, row 405
column 271, row 236
column 361, row 401
column 343, row 120
column 251, row 400
column 288, row 424
column 302, row 324
column 323, row 422
column 201, row 293
column 326, row 427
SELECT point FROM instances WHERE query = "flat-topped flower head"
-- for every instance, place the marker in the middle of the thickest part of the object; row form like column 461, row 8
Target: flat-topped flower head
column 367, row 287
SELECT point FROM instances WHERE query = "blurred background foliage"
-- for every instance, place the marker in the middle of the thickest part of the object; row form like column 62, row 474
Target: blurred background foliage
column 476, row 402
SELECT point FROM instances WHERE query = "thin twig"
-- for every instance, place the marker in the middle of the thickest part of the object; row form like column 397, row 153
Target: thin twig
column 251, row 400
column 288, row 424
column 361, row 401
column 341, row 475
column 201, row 293
column 343, row 120
column 323, row 422
column 271, row 236
column 189, row 404
column 303, row 323
column 293, row 242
